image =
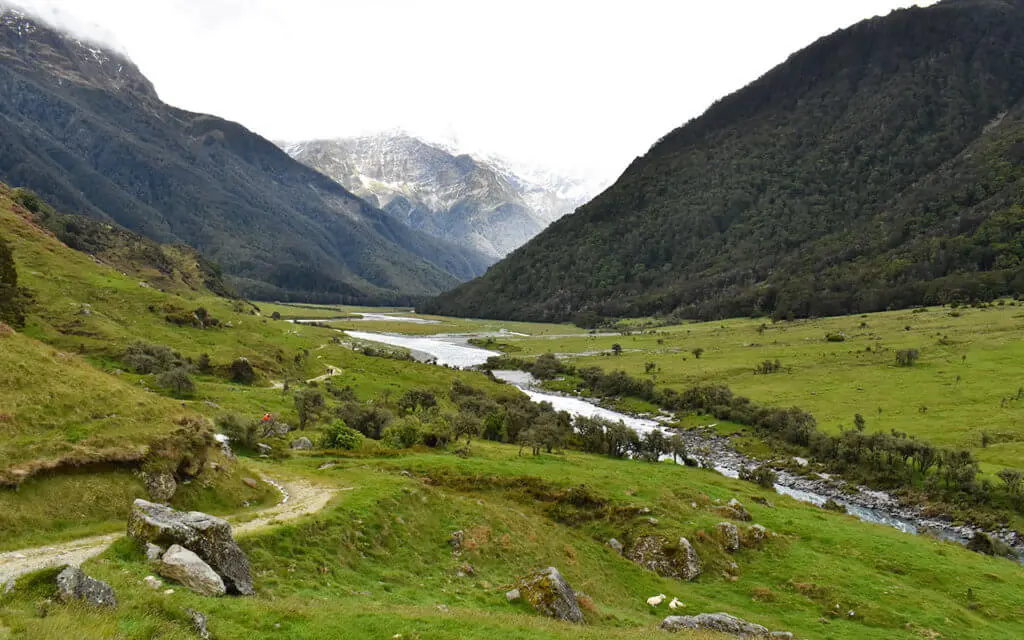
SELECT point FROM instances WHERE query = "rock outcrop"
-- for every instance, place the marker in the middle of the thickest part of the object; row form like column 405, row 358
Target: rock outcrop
column 729, row 534
column 207, row 536
column 550, row 594
column 160, row 485
column 302, row 444
column 720, row 622
column 658, row 554
column 188, row 569
column 73, row 584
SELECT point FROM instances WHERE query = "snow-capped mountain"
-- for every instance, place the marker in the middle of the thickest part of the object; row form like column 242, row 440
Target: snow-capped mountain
column 485, row 203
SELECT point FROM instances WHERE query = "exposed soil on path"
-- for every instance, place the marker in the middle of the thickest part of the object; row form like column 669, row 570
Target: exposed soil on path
column 299, row 498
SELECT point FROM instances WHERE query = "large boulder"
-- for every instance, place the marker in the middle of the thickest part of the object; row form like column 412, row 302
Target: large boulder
column 73, row 584
column 551, row 595
column 186, row 568
column 302, row 444
column 729, row 534
column 207, row 536
column 160, row 485
column 660, row 555
column 720, row 622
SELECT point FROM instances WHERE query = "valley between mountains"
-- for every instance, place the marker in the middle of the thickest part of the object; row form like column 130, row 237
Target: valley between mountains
column 766, row 383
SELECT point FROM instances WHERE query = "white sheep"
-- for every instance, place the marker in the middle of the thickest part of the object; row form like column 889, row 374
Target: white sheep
column 656, row 600
column 675, row 604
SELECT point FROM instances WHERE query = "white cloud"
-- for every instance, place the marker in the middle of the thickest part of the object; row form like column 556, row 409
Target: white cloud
column 585, row 84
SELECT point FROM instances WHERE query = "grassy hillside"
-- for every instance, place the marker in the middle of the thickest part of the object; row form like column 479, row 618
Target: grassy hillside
column 377, row 562
column 880, row 167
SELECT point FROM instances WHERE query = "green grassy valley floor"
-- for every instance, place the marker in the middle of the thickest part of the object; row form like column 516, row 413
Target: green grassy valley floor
column 377, row 561
column 967, row 382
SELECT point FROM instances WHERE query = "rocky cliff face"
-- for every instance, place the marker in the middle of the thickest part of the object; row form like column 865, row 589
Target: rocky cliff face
column 478, row 203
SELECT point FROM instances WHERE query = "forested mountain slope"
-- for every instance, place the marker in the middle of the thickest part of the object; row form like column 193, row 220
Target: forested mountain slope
column 880, row 167
column 86, row 130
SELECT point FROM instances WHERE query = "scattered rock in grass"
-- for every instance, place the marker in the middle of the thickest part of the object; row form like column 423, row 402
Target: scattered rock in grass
column 729, row 534
column 781, row 635
column 757, row 534
column 513, row 595
column 652, row 521
column 8, row 587
column 154, row 552
column 467, row 570
column 549, row 593
column 615, row 545
column 186, row 568
column 719, row 622
column 458, row 537
column 658, row 554
column 207, row 536
column 735, row 511
column 152, row 582
column 73, row 584
column 764, row 501
column 251, row 482
column 264, row 449
column 199, row 624
column 302, row 444
column 160, row 485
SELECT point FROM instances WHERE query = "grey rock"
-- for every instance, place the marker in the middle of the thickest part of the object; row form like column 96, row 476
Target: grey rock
column 549, row 593
column 720, row 622
column 188, row 569
column 152, row 582
column 263, row 448
column 73, row 584
column 153, row 552
column 302, row 444
column 729, row 534
column 160, row 485
column 615, row 545
column 781, row 635
column 199, row 624
column 207, row 536
column 456, row 541
column 757, row 533
column 737, row 511
column 658, row 554
column 513, row 595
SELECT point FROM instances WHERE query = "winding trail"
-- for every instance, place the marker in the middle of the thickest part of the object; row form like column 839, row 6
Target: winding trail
column 298, row 498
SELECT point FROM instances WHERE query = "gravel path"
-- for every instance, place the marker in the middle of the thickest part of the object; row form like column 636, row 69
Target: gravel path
column 299, row 498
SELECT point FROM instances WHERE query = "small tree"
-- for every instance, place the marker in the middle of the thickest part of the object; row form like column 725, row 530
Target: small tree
column 858, row 422
column 1012, row 479
column 907, row 357
column 464, row 424
column 697, row 353
column 276, row 315
column 339, row 436
column 310, row 405
column 204, row 364
column 617, row 349
column 177, row 381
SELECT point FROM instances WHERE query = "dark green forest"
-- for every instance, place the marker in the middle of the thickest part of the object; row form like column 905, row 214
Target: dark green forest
column 881, row 167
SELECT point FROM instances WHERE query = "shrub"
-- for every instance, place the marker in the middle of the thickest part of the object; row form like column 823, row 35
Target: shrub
column 310, row 405
column 242, row 432
column 338, row 435
column 147, row 358
column 177, row 381
column 403, row 433
column 832, row 505
column 697, row 353
column 835, row 337
column 416, row 399
column 768, row 367
column 276, row 315
column 907, row 357
column 761, row 475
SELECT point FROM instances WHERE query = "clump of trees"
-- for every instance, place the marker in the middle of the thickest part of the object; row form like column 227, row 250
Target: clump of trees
column 768, row 367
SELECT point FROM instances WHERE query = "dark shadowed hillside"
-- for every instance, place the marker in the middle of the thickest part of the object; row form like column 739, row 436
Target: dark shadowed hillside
column 883, row 166
column 83, row 128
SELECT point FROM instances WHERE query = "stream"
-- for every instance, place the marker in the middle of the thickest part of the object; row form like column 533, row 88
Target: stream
column 710, row 448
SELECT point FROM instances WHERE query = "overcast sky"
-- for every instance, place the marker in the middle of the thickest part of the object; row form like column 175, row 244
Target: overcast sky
column 585, row 85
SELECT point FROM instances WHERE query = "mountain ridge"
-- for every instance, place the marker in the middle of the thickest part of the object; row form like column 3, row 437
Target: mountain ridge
column 818, row 189
column 84, row 129
column 441, row 190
